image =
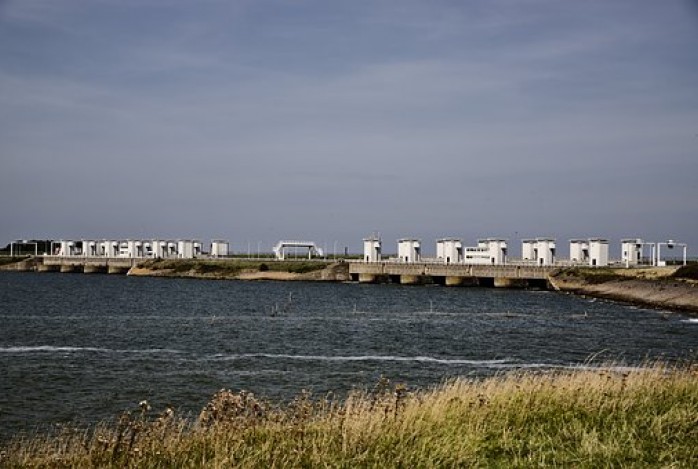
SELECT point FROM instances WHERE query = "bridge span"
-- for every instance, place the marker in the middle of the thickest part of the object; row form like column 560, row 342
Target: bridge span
column 511, row 276
column 88, row 265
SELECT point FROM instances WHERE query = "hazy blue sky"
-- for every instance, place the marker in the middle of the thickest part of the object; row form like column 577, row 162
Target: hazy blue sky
column 255, row 121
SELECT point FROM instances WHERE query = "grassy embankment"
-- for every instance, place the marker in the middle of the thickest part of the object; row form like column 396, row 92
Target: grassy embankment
column 7, row 260
column 230, row 267
column 658, row 287
column 598, row 275
column 586, row 418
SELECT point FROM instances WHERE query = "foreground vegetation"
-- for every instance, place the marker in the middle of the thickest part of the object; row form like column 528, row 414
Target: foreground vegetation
column 586, row 418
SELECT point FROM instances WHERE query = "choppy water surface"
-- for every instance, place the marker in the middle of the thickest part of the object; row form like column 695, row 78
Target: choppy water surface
column 85, row 347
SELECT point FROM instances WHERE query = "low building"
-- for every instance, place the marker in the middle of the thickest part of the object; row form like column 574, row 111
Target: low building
column 219, row 248
column 593, row 252
column 449, row 250
column 598, row 252
column 90, row 248
column 579, row 251
column 492, row 251
column 538, row 250
column 409, row 250
column 66, row 248
column 108, row 248
column 131, row 248
column 159, row 249
column 372, row 249
column 632, row 250
column 188, row 248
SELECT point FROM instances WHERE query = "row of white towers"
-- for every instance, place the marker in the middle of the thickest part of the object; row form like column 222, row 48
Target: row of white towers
column 448, row 250
column 541, row 251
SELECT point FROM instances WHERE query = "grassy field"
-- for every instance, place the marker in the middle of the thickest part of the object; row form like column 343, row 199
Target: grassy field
column 606, row 417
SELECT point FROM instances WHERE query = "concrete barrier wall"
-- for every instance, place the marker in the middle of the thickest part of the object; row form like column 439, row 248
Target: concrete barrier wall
column 95, row 261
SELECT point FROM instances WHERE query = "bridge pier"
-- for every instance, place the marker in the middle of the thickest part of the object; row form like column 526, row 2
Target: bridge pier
column 88, row 265
column 94, row 269
column 412, row 280
column 372, row 278
column 117, row 270
column 458, row 281
column 368, row 278
column 505, row 282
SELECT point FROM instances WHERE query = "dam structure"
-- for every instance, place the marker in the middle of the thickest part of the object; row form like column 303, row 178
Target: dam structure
column 116, row 256
column 418, row 273
column 457, row 265
column 88, row 265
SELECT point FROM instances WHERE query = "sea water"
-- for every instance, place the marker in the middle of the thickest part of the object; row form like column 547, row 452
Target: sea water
column 78, row 348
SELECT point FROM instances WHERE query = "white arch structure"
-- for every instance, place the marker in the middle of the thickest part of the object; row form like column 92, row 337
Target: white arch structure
column 281, row 246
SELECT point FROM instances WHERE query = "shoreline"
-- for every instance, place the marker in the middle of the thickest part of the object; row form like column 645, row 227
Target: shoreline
column 245, row 270
column 654, row 288
column 657, row 288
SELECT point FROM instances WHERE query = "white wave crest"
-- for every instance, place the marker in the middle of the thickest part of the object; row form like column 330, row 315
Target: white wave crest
column 363, row 358
column 70, row 349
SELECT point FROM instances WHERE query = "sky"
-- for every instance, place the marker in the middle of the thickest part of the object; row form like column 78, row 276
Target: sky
column 256, row 121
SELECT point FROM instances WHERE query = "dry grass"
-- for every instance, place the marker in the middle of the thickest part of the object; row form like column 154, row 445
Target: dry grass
column 229, row 267
column 583, row 418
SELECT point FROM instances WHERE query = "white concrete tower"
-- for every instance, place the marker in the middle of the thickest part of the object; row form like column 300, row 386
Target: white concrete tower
column 496, row 248
column 598, row 252
column 219, row 248
column 409, row 250
column 579, row 251
column 540, row 250
column 449, row 250
column 372, row 249
column 631, row 251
